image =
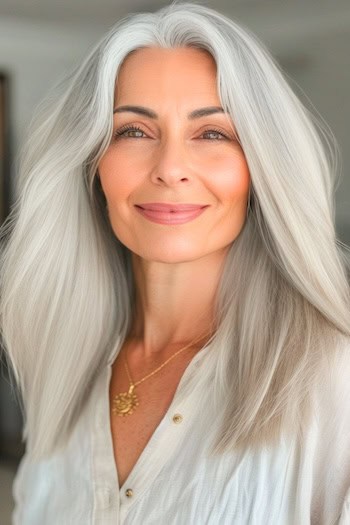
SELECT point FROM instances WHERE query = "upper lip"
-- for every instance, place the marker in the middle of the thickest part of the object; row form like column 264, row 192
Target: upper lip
column 165, row 206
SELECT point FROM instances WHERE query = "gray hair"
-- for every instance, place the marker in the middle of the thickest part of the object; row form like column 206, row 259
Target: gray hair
column 66, row 283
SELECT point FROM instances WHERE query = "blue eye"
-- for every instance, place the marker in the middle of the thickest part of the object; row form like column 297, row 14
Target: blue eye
column 121, row 133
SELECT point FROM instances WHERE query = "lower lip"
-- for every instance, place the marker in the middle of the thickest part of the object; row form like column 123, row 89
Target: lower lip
column 162, row 217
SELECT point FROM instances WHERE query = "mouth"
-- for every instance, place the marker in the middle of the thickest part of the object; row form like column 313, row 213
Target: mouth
column 169, row 215
column 170, row 207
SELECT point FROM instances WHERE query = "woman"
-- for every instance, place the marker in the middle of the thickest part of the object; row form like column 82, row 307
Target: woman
column 175, row 303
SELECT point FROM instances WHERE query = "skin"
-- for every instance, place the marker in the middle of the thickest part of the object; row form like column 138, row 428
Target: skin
column 173, row 159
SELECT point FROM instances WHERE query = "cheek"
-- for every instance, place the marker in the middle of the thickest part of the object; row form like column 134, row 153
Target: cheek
column 114, row 171
column 230, row 177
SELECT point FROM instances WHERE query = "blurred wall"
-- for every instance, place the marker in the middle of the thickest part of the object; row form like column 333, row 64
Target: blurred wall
column 35, row 55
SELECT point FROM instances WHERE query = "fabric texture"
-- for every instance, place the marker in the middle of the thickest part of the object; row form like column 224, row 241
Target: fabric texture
column 175, row 482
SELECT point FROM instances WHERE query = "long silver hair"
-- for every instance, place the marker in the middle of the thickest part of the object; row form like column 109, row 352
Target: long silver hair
column 67, row 289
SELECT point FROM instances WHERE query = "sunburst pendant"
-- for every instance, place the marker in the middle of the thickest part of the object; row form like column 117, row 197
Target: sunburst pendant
column 125, row 403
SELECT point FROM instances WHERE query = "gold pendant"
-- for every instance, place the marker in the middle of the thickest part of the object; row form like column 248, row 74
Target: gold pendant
column 125, row 402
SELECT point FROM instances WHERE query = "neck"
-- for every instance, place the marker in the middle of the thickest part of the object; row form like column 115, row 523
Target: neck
column 175, row 303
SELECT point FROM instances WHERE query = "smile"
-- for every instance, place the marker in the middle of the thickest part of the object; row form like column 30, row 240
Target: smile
column 174, row 217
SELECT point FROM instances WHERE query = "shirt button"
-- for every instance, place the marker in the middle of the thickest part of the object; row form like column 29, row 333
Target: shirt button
column 129, row 493
column 177, row 418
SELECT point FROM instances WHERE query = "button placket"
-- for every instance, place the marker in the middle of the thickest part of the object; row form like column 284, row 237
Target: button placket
column 173, row 420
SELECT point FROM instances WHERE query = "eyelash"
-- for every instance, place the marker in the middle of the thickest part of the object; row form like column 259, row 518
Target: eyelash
column 119, row 132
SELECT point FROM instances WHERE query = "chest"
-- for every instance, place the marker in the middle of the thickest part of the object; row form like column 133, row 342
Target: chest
column 131, row 433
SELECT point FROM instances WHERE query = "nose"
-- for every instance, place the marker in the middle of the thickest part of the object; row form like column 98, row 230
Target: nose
column 172, row 163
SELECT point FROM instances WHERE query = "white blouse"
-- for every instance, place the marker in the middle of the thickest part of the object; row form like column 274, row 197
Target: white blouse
column 175, row 483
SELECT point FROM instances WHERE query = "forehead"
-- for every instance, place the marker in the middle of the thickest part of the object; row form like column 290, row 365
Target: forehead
column 158, row 72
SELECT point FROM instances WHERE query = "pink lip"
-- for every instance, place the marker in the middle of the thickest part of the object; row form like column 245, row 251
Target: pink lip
column 166, row 216
column 165, row 206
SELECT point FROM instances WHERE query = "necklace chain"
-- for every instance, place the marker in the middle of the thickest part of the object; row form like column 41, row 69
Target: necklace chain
column 154, row 371
column 125, row 403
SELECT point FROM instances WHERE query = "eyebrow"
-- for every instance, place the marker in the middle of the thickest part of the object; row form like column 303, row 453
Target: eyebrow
column 197, row 113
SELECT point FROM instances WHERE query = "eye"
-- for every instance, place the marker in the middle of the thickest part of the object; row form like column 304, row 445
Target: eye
column 216, row 131
column 121, row 133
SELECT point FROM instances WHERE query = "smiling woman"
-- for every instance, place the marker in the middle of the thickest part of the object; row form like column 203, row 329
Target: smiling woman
column 174, row 300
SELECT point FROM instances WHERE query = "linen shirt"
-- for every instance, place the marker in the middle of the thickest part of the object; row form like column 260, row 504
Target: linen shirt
column 175, row 482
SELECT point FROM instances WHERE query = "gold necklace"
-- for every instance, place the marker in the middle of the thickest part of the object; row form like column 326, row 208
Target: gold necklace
column 125, row 403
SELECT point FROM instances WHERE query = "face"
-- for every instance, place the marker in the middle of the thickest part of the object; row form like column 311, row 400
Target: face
column 167, row 157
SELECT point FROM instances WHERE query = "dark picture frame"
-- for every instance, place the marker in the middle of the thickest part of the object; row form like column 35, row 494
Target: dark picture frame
column 4, row 146
column 11, row 420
